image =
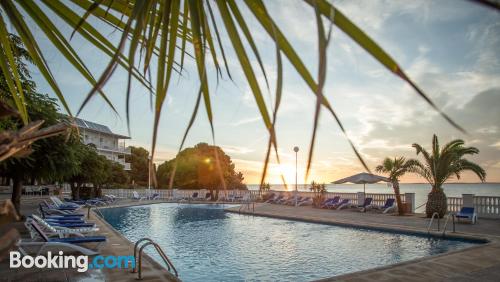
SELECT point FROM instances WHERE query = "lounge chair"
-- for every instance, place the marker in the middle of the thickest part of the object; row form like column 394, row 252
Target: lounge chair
column 12, row 241
column 292, row 201
column 154, row 196
column 55, row 207
column 330, row 202
column 208, row 196
column 284, row 200
column 366, row 203
column 61, row 205
column 274, row 198
column 390, row 205
column 71, row 240
column 110, row 198
column 136, row 196
column 62, row 230
column 467, row 213
column 305, row 201
column 194, row 197
column 231, row 197
column 89, row 202
column 46, row 210
column 340, row 205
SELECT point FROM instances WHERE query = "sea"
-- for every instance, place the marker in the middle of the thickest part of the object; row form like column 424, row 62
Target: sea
column 420, row 190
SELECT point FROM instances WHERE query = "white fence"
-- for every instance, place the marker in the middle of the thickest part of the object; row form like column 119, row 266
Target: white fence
column 454, row 204
column 485, row 206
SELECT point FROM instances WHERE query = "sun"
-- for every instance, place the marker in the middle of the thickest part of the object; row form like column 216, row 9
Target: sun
column 288, row 171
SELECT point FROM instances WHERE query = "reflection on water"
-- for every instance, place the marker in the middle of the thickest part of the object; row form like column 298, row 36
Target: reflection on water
column 207, row 244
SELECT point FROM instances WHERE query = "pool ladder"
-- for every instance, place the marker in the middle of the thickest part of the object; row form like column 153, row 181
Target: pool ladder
column 436, row 215
column 247, row 205
column 138, row 261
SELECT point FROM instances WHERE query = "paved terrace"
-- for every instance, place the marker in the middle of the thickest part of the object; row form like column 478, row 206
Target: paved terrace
column 115, row 245
column 481, row 263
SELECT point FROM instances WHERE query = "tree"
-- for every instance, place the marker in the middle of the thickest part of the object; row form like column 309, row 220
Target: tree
column 197, row 168
column 138, row 160
column 396, row 168
column 93, row 169
column 441, row 164
column 319, row 191
column 47, row 159
column 155, row 30
column 118, row 174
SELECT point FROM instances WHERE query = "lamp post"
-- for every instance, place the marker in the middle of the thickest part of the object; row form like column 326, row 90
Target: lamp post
column 296, row 150
column 149, row 175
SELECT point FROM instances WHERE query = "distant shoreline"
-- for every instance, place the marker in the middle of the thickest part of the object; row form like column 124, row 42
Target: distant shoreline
column 459, row 183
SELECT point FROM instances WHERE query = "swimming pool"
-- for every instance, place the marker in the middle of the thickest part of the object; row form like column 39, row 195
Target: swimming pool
column 205, row 243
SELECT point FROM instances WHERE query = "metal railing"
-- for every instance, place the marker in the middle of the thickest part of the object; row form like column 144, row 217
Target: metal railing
column 432, row 220
column 138, row 261
column 452, row 215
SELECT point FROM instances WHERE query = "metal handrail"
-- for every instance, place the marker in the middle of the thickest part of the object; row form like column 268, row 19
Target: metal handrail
column 247, row 204
column 138, row 266
column 452, row 215
column 430, row 223
column 96, row 209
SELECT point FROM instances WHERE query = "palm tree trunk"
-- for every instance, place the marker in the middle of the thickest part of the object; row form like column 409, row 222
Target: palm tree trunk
column 17, row 188
column 395, row 185
column 436, row 202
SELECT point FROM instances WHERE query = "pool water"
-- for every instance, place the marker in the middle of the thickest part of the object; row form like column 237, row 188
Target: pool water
column 205, row 243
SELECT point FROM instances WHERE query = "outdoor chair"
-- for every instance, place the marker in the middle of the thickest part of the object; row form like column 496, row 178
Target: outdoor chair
column 62, row 230
column 389, row 206
column 274, row 198
column 63, row 205
column 366, row 203
column 330, row 202
column 340, row 205
column 71, row 240
column 305, row 202
column 467, row 213
column 136, row 196
column 194, row 196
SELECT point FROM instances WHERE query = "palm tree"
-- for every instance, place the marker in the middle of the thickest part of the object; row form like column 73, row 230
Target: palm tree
column 396, row 168
column 441, row 164
column 164, row 33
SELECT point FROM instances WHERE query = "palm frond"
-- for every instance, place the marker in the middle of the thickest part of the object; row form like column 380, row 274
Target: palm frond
column 152, row 29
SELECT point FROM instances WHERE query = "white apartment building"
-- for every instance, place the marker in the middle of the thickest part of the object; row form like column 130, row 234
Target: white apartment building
column 108, row 144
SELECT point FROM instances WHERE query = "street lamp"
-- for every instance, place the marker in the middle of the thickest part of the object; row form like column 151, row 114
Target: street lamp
column 296, row 150
column 149, row 175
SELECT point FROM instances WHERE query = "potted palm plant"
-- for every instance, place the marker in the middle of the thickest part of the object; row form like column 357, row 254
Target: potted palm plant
column 396, row 168
column 319, row 191
column 441, row 164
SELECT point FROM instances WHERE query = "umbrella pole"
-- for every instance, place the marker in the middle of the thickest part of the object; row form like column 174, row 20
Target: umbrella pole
column 364, row 196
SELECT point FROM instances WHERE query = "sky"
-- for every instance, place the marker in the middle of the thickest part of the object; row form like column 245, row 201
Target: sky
column 449, row 48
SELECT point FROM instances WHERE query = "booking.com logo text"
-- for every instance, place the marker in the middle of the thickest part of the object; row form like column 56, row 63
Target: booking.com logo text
column 81, row 263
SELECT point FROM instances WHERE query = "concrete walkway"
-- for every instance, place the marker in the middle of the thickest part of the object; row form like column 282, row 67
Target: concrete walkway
column 480, row 263
column 115, row 245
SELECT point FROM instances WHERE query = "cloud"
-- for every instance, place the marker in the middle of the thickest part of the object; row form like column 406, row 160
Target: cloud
column 496, row 145
column 481, row 112
column 238, row 150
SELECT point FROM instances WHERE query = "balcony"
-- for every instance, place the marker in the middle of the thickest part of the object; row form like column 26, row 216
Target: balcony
column 121, row 150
